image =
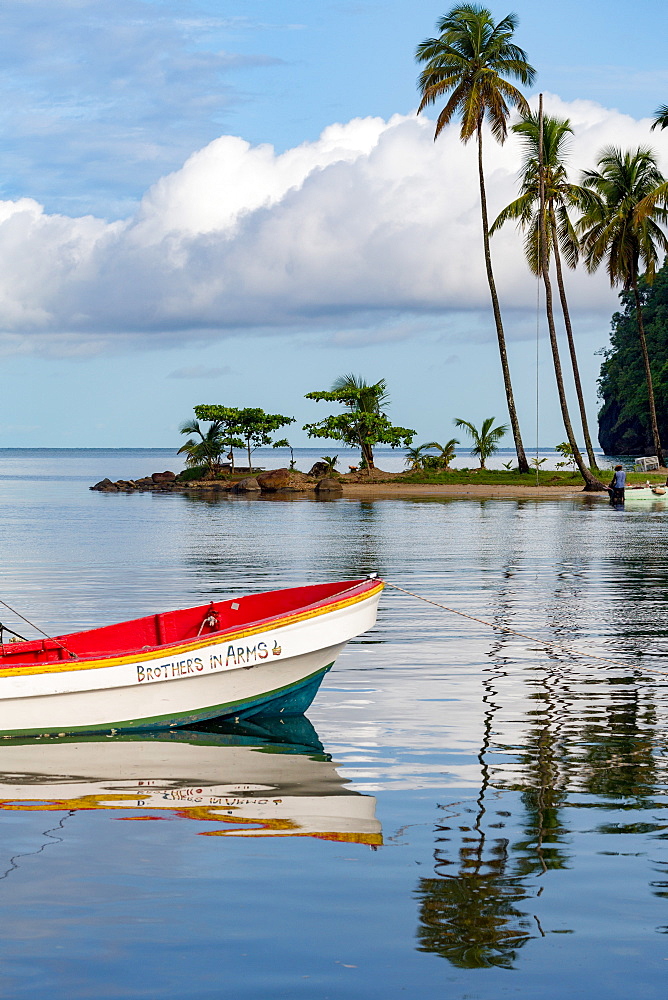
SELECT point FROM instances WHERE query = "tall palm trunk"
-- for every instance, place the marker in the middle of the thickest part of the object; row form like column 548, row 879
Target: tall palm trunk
column 571, row 344
column 592, row 485
column 648, row 373
column 512, row 412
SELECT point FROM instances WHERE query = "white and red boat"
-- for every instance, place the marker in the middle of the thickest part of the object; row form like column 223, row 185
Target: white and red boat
column 261, row 654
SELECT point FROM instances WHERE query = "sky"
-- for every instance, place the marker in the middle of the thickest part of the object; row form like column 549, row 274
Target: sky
column 205, row 201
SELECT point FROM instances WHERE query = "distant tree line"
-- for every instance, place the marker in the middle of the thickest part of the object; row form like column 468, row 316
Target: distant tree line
column 624, row 424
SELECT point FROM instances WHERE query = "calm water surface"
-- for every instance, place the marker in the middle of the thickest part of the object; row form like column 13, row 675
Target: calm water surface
column 464, row 814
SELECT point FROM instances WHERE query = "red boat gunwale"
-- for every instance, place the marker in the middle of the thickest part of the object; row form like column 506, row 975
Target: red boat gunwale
column 185, row 626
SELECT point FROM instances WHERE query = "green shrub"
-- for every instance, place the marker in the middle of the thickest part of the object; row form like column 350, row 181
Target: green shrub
column 196, row 472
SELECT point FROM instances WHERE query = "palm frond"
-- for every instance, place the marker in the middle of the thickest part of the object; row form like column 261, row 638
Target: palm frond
column 622, row 211
column 660, row 118
column 475, row 59
column 519, row 211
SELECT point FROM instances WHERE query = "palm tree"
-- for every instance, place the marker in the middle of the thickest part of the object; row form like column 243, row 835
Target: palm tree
column 660, row 194
column 471, row 61
column 560, row 195
column 486, row 440
column 615, row 230
column 205, row 451
column 331, row 461
column 415, row 457
column 446, row 452
column 660, row 117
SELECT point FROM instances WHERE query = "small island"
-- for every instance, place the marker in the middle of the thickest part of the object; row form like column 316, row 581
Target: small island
column 218, row 430
column 324, row 483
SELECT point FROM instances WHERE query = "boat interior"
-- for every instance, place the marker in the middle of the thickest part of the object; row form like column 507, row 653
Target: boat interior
column 172, row 627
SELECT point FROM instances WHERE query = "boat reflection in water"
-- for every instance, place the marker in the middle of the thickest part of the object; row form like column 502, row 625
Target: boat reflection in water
column 267, row 780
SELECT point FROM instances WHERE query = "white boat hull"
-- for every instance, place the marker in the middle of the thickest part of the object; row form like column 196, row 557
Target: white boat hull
column 272, row 671
column 644, row 496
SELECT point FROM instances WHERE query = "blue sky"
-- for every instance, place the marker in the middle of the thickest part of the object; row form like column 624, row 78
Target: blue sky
column 207, row 201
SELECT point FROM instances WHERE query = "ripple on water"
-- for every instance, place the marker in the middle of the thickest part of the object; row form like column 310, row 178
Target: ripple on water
column 518, row 790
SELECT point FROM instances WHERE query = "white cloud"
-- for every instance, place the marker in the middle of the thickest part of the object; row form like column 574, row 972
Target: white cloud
column 370, row 227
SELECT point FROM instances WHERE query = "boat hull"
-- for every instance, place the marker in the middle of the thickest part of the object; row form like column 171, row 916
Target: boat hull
column 644, row 496
column 251, row 672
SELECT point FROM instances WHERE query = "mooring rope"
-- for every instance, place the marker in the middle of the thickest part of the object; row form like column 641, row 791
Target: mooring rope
column 38, row 629
column 532, row 638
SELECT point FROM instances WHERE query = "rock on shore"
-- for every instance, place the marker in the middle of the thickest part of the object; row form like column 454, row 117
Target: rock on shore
column 273, row 481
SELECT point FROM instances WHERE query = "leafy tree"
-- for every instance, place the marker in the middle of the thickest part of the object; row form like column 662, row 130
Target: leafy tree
column 227, row 418
column 566, row 452
column 205, row 448
column 624, row 426
column 471, row 63
column 364, row 399
column 363, row 424
column 486, row 440
column 284, row 443
column 559, row 196
column 256, row 427
column 251, row 424
column 615, row 232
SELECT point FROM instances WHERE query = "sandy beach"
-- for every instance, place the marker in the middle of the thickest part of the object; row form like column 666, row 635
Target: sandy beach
column 384, row 491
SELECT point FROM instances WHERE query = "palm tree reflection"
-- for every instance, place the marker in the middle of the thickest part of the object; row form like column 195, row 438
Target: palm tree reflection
column 471, row 913
column 587, row 740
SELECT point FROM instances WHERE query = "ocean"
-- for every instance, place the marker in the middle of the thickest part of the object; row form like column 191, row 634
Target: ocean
column 474, row 807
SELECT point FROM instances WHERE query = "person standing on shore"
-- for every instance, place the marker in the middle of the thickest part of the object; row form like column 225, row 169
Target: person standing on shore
column 617, row 485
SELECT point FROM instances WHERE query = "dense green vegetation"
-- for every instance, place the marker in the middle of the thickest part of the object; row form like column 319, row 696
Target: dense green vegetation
column 624, row 423
column 621, row 227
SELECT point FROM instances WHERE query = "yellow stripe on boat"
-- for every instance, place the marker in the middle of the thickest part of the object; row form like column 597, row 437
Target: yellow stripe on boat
column 159, row 652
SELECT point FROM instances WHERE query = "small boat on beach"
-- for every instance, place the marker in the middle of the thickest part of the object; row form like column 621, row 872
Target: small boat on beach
column 646, row 494
column 258, row 655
